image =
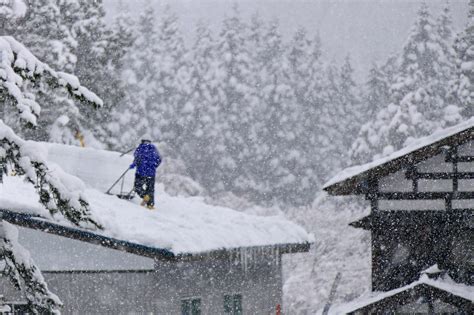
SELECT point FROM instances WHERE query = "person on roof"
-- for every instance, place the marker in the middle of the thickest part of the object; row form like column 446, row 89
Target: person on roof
column 147, row 159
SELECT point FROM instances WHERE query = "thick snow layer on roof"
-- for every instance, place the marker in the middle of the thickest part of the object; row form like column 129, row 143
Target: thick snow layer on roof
column 413, row 146
column 448, row 285
column 181, row 225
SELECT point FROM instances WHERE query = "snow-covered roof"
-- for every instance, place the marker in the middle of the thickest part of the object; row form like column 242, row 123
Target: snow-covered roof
column 351, row 180
column 461, row 290
column 179, row 225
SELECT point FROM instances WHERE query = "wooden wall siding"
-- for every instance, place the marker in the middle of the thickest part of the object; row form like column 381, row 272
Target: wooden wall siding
column 466, row 149
column 406, row 242
column 396, row 182
column 463, row 204
column 427, row 185
column 466, row 185
column 436, row 164
column 467, row 167
column 445, row 178
column 438, row 204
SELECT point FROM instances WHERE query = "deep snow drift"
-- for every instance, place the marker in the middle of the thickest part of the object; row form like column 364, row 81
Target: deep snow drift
column 181, row 225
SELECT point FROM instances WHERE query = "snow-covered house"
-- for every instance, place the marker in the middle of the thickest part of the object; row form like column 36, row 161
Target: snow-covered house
column 186, row 257
column 422, row 206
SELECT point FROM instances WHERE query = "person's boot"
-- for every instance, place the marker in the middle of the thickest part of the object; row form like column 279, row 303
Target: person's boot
column 145, row 200
column 150, row 207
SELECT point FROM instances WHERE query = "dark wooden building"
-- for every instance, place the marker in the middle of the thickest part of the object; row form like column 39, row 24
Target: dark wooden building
column 422, row 205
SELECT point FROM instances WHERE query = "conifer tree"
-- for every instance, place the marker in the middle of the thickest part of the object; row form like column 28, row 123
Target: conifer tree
column 419, row 102
column 130, row 120
column 170, row 83
column 22, row 71
column 235, row 96
column 306, row 77
column 463, row 87
column 199, row 116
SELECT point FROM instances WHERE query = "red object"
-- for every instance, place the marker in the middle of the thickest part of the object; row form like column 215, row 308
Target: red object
column 278, row 310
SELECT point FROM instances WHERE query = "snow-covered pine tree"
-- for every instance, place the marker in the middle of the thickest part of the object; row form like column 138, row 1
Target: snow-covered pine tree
column 377, row 90
column 306, row 76
column 333, row 116
column 377, row 96
column 463, row 86
column 276, row 168
column 19, row 70
column 236, row 98
column 171, row 84
column 44, row 28
column 419, row 101
column 349, row 99
column 120, row 41
column 200, row 114
column 130, row 120
column 24, row 274
column 93, row 66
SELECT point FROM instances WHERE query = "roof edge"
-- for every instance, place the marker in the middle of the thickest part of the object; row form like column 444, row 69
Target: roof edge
column 38, row 223
column 352, row 182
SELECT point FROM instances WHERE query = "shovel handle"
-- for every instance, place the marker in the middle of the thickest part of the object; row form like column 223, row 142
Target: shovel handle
column 121, row 176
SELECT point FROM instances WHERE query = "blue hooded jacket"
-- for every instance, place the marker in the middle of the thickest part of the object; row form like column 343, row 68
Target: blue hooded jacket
column 147, row 159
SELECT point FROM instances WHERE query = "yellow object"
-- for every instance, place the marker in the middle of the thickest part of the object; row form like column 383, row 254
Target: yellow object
column 145, row 200
column 79, row 136
column 150, row 207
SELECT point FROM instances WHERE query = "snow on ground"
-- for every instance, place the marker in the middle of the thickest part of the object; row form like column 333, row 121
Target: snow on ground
column 415, row 144
column 181, row 225
column 338, row 248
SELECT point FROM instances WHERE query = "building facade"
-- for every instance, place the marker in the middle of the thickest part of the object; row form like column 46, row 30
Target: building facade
column 422, row 206
column 92, row 277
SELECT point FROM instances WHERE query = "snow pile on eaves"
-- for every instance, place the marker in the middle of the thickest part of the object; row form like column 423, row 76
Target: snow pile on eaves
column 415, row 144
column 448, row 285
column 18, row 63
column 181, row 225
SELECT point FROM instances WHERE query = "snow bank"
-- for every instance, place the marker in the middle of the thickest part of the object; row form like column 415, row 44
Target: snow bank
column 416, row 144
column 181, row 225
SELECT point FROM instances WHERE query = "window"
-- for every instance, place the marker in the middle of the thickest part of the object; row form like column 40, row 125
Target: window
column 191, row 306
column 233, row 304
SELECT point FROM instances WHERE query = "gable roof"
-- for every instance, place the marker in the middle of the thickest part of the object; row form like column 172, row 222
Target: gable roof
column 448, row 291
column 354, row 180
column 180, row 226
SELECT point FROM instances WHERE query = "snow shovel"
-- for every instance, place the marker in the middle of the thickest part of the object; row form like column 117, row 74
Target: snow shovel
column 121, row 195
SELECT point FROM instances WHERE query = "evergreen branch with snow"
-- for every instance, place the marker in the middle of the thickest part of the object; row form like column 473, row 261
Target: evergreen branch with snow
column 57, row 192
column 23, row 273
column 18, row 68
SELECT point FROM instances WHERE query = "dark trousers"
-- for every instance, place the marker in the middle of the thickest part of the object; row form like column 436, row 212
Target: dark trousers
column 145, row 185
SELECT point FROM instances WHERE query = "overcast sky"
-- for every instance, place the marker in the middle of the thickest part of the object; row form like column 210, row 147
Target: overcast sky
column 367, row 30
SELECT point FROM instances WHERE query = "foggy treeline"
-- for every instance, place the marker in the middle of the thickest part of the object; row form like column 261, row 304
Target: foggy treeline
column 250, row 113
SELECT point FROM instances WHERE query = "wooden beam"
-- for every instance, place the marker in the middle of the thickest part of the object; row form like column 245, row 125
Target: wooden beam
column 425, row 195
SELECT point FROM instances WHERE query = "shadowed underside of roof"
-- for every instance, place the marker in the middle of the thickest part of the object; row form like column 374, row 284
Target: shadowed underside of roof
column 38, row 223
column 355, row 180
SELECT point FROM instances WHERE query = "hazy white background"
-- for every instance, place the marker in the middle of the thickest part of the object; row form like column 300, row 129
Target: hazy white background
column 368, row 30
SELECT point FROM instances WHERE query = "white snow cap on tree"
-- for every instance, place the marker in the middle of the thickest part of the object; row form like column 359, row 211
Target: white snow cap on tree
column 58, row 191
column 17, row 64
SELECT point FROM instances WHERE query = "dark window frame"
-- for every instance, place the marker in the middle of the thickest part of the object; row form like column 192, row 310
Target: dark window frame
column 233, row 304
column 191, row 305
